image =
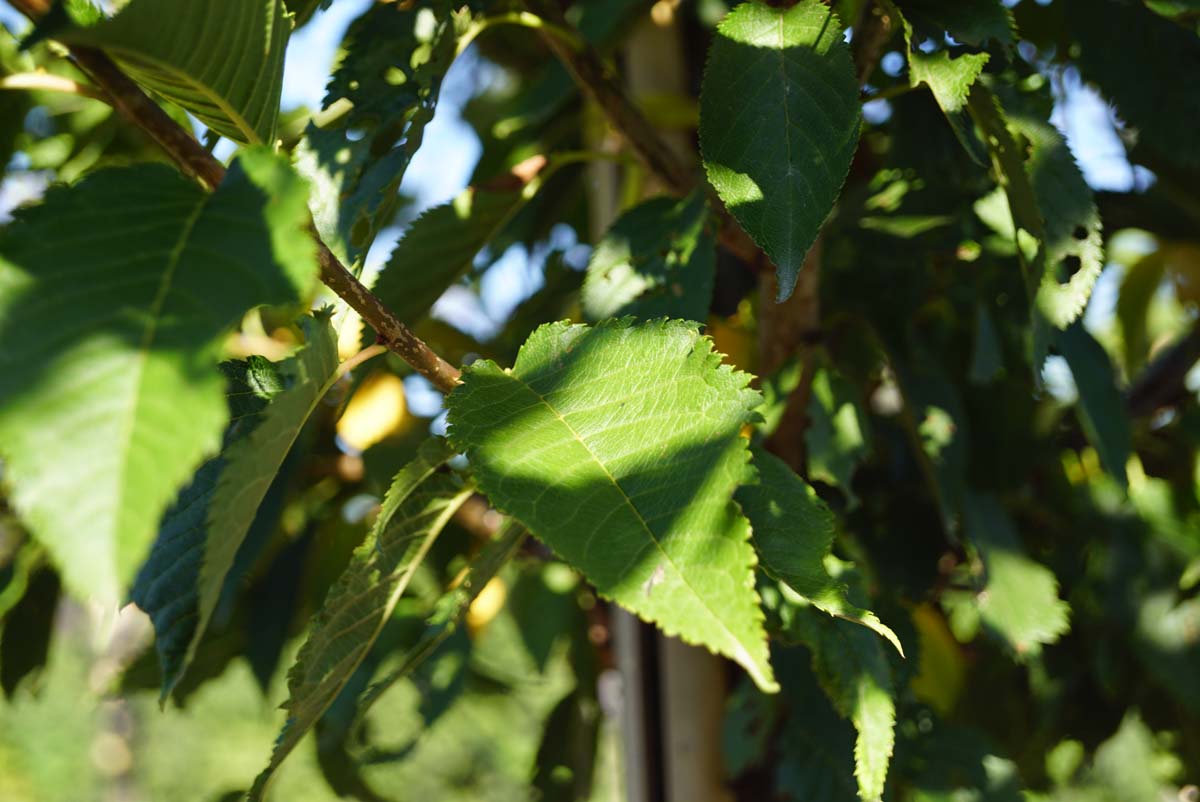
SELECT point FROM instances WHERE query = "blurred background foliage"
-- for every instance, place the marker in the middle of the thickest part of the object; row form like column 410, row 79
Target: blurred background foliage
column 1054, row 658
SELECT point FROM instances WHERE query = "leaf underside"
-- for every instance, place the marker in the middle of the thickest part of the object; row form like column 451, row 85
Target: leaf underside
column 222, row 60
column 620, row 447
column 417, row 507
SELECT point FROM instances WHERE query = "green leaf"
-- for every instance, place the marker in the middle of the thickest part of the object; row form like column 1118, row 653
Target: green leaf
column 779, row 123
column 658, row 260
column 1151, row 84
column 620, row 447
column 417, row 507
column 949, row 79
column 115, row 295
column 1019, row 601
column 382, row 94
column 835, row 440
column 973, row 22
column 793, row 534
column 1046, row 207
column 440, row 246
column 1074, row 241
column 1138, row 288
column 228, row 74
column 449, row 610
column 252, row 462
column 852, row 668
column 1101, row 406
column 1008, row 164
column 260, row 394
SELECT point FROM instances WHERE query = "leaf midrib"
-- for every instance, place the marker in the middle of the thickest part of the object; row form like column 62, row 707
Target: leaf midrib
column 125, row 440
column 744, row 653
column 211, row 95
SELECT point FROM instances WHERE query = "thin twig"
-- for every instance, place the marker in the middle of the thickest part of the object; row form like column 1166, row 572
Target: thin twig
column 524, row 19
column 191, row 157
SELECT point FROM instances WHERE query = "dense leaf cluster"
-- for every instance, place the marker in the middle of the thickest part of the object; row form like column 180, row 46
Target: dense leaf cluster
column 848, row 411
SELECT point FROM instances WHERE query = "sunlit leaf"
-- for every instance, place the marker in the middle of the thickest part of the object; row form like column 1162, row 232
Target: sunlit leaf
column 620, row 447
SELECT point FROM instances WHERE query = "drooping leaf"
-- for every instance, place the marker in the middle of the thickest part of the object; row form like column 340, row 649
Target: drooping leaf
column 222, row 60
column 1138, row 287
column 417, row 507
column 382, row 94
column 1101, row 407
column 973, row 22
column 1019, row 601
column 253, row 461
column 658, row 260
column 793, row 533
column 779, row 123
column 937, row 425
column 619, row 446
column 439, row 247
column 181, row 581
column 114, row 296
column 852, row 668
column 1150, row 83
column 987, row 356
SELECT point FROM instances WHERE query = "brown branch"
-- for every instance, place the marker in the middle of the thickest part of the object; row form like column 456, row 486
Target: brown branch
column 191, row 157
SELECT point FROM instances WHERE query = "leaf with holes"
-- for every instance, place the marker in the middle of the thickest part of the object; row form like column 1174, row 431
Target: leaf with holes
column 620, row 446
column 222, row 60
column 109, row 391
column 417, row 507
column 779, row 123
column 1072, row 242
column 378, row 102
